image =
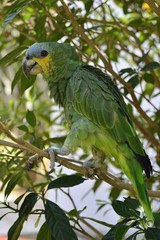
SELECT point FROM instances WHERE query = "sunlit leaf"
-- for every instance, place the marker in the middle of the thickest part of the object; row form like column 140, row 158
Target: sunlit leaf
column 26, row 83
column 31, row 118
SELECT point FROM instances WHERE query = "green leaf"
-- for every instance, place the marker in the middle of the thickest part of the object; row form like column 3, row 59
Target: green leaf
column 121, row 231
column 12, row 55
column 143, row 58
column 58, row 222
column 134, row 81
column 45, row 233
column 129, row 71
column 132, row 203
column 23, row 128
column 16, row 79
column 152, row 234
column 121, row 208
column 88, row 4
column 157, row 219
column 66, row 181
column 148, row 78
column 111, row 234
column 27, row 205
column 149, row 89
column 100, row 222
column 150, row 66
column 16, row 228
column 132, row 236
column 17, row 200
column 16, row 8
column 12, row 183
column 31, row 119
column 114, row 193
column 26, row 83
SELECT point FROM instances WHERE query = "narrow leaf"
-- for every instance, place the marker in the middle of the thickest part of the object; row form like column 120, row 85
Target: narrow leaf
column 150, row 66
column 58, row 222
column 27, row 205
column 12, row 183
column 17, row 200
column 16, row 8
column 16, row 79
column 12, row 55
column 129, row 71
column 143, row 58
column 16, row 228
column 66, row 181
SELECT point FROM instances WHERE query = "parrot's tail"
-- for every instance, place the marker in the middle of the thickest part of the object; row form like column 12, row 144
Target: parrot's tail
column 133, row 170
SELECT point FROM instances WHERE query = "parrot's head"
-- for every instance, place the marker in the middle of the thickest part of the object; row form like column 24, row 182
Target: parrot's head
column 48, row 57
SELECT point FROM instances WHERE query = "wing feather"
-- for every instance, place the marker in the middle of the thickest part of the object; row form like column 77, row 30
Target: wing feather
column 95, row 96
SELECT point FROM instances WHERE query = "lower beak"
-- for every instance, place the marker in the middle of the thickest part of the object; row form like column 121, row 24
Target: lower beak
column 31, row 67
column 27, row 66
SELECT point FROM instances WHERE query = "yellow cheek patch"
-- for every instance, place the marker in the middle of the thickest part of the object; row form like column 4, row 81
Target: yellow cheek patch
column 44, row 63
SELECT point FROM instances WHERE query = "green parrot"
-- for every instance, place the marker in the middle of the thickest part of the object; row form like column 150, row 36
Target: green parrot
column 95, row 111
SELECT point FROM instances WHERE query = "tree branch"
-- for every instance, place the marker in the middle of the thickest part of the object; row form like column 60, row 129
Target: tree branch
column 153, row 5
column 106, row 177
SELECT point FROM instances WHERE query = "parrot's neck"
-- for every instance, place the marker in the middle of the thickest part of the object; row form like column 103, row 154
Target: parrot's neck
column 58, row 83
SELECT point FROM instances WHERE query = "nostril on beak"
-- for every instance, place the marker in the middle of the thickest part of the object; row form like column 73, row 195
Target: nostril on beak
column 28, row 57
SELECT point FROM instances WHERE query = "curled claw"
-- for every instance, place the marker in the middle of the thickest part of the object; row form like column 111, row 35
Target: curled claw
column 33, row 160
column 53, row 152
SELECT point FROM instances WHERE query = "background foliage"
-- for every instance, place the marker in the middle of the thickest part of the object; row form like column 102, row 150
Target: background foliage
column 121, row 37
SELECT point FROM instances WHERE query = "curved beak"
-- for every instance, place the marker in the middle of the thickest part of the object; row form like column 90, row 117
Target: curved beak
column 27, row 66
column 31, row 67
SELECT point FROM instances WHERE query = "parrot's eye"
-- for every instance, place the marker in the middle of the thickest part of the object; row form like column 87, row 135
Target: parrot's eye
column 44, row 53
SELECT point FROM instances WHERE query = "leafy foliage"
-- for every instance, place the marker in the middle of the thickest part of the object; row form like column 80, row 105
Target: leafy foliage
column 121, row 37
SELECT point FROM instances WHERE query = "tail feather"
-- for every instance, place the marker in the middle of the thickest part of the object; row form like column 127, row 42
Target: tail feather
column 145, row 164
column 133, row 170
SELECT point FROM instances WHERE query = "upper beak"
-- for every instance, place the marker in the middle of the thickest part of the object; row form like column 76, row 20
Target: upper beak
column 28, row 65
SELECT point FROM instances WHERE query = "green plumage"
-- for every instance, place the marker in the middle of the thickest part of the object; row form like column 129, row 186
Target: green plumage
column 95, row 111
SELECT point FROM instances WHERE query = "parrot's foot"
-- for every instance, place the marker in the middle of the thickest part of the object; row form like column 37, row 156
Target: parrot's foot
column 33, row 160
column 52, row 152
column 93, row 168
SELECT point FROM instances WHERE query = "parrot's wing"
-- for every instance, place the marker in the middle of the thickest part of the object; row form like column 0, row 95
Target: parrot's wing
column 95, row 96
